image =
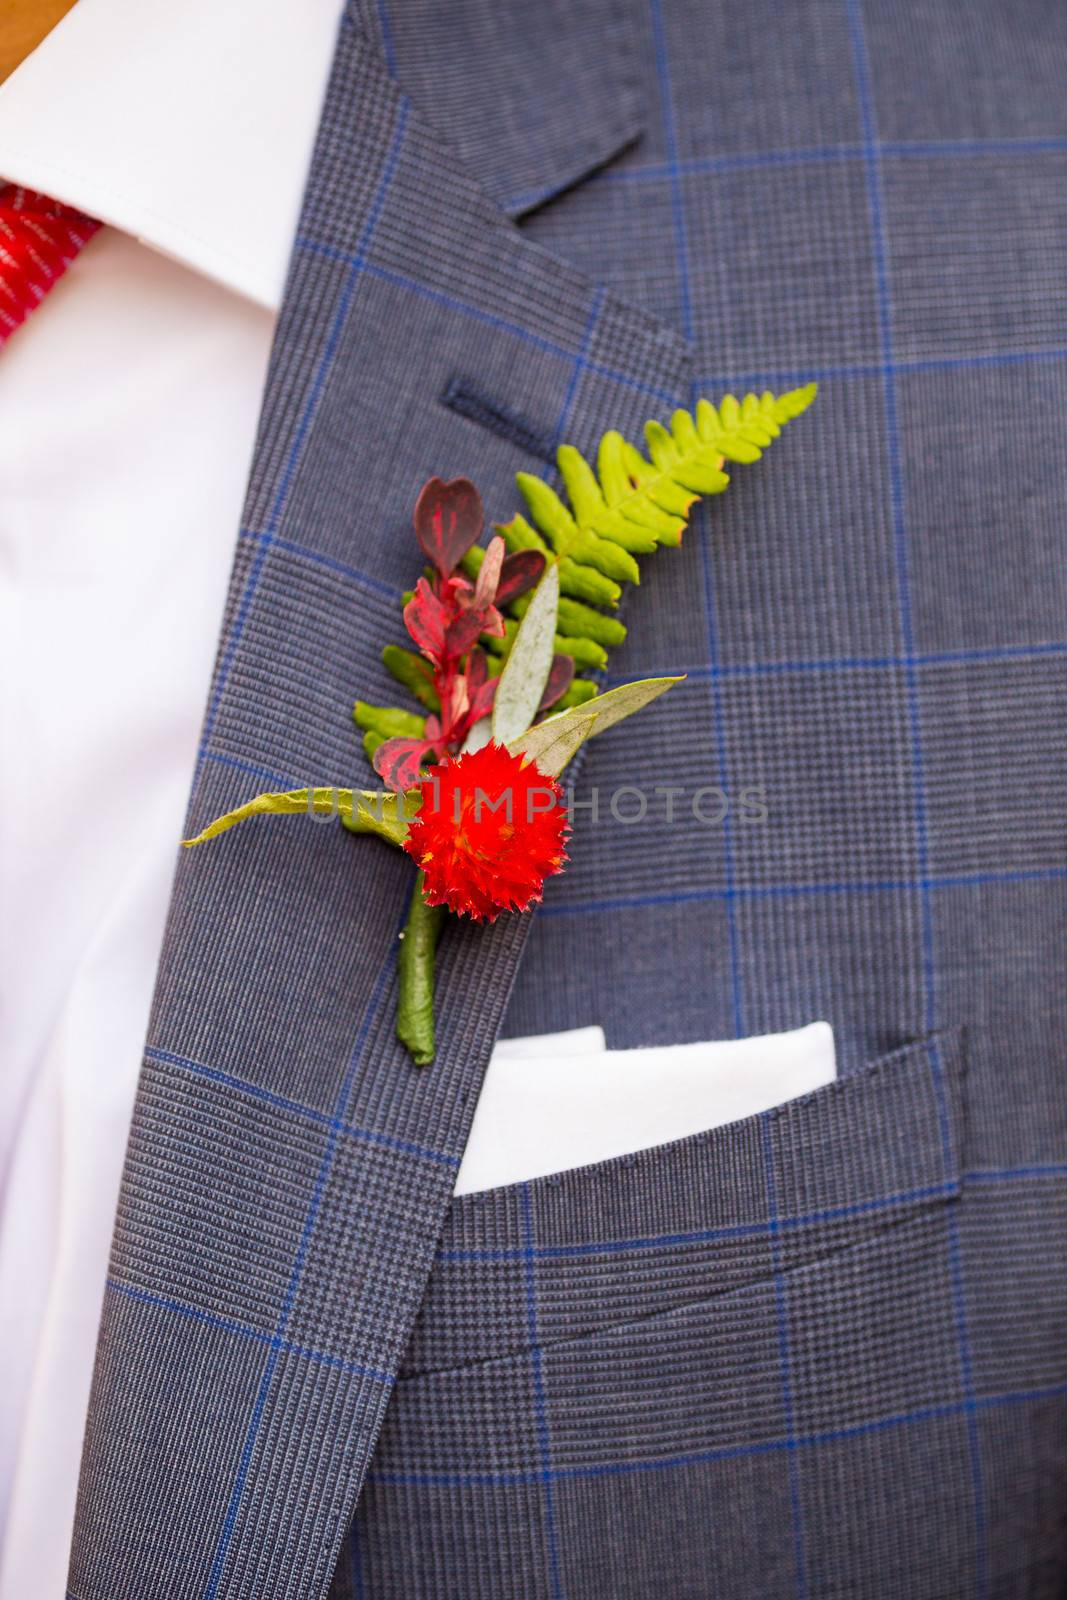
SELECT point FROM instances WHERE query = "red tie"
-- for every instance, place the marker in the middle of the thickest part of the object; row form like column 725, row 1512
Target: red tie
column 39, row 239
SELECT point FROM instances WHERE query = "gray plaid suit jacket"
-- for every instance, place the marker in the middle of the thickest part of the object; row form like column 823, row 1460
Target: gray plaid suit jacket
column 819, row 1352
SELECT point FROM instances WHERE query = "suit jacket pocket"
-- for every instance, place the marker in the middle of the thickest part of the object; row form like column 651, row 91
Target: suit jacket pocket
column 730, row 1365
column 866, row 1163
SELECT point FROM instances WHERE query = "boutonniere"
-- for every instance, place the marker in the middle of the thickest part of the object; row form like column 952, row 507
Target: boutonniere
column 507, row 637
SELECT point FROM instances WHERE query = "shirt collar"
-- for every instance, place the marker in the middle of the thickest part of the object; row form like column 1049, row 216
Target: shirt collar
column 189, row 126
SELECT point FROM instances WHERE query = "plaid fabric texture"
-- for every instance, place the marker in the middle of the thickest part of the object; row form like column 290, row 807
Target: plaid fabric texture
column 823, row 1351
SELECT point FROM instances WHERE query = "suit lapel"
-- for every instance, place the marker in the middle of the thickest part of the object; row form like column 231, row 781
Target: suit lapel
column 530, row 98
column 288, row 1170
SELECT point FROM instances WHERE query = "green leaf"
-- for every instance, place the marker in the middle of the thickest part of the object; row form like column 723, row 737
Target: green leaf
column 567, row 538
column 586, row 652
column 591, row 508
column 413, row 672
column 360, row 810
column 586, row 583
column 632, row 503
column 581, row 690
column 389, row 721
column 582, row 583
column 518, row 535
column 575, row 620
column 599, row 520
column 522, row 682
column 552, row 743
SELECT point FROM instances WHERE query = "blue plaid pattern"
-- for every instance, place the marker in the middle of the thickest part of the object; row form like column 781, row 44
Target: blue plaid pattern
column 820, row 1352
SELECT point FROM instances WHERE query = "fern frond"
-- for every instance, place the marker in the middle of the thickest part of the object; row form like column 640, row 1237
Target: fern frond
column 638, row 502
column 413, row 672
column 385, row 722
column 587, row 653
column 581, row 690
column 388, row 720
column 575, row 618
column 583, row 584
column 608, row 516
column 632, row 502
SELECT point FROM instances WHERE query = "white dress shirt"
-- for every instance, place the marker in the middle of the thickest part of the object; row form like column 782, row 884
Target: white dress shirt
column 128, row 405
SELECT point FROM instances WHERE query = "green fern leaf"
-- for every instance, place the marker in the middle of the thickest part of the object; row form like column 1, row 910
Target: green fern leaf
column 634, row 502
column 389, row 721
column 575, row 618
column 605, row 518
column 385, row 722
column 413, row 672
column 565, row 536
column 586, row 652
column 581, row 690
column 579, row 583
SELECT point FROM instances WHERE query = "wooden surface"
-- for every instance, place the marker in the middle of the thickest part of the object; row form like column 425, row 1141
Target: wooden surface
column 23, row 24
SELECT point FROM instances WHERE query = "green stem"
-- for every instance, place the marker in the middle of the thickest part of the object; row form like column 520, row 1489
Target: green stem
column 415, row 963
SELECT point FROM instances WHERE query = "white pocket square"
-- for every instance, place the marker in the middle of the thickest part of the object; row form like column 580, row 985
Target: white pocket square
column 558, row 1101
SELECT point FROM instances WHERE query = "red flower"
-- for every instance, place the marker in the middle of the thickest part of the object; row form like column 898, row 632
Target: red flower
column 490, row 830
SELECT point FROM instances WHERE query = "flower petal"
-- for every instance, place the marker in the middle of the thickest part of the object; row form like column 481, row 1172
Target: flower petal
column 490, row 829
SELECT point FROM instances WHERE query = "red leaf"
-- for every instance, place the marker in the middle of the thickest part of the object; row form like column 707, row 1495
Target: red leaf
column 519, row 573
column 560, row 678
column 482, row 701
column 465, row 629
column 460, row 701
column 426, row 619
column 489, row 573
column 481, row 689
column 448, row 520
column 477, row 669
column 397, row 762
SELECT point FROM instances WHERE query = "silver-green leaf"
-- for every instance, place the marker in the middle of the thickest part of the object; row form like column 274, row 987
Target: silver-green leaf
column 360, row 810
column 522, row 682
column 552, row 743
